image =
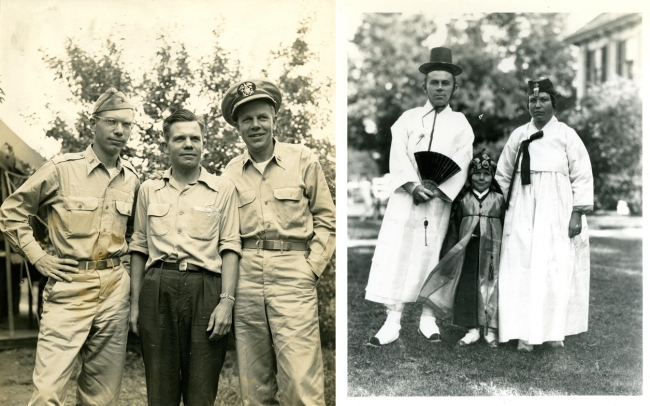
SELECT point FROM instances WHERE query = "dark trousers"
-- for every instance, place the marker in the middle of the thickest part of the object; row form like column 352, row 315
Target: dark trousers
column 179, row 360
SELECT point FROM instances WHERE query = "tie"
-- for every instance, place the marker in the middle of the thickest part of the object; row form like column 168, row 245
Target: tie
column 525, row 163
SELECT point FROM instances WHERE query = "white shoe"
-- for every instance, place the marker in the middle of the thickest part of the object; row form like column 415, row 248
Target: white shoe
column 471, row 337
column 524, row 346
column 429, row 329
column 388, row 333
column 491, row 338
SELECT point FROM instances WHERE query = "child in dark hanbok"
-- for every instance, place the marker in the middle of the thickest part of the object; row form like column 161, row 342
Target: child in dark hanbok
column 463, row 286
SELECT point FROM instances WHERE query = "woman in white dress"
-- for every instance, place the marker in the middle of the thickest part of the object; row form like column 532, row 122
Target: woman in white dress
column 545, row 172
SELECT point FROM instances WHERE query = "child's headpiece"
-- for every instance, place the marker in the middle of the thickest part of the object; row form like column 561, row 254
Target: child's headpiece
column 482, row 161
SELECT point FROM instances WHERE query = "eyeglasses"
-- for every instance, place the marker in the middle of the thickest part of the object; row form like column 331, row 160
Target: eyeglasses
column 112, row 123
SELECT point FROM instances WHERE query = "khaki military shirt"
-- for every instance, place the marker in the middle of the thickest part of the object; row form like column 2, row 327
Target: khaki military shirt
column 87, row 209
column 195, row 223
column 289, row 201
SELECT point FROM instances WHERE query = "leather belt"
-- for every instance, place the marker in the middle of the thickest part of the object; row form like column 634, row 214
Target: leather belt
column 275, row 245
column 180, row 266
column 98, row 265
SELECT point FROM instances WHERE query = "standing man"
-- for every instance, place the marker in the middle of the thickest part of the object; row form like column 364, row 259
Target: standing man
column 416, row 218
column 287, row 229
column 187, row 238
column 89, row 199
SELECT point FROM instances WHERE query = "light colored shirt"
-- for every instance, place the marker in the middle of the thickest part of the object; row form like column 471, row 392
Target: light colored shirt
column 289, row 201
column 87, row 209
column 560, row 150
column 480, row 194
column 195, row 223
column 452, row 136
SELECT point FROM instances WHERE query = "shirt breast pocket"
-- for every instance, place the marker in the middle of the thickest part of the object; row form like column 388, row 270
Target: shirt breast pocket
column 291, row 206
column 204, row 222
column 124, row 210
column 82, row 216
column 159, row 222
column 248, row 218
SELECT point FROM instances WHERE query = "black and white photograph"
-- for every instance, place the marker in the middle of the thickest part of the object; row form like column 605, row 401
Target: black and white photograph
column 494, row 205
column 168, row 202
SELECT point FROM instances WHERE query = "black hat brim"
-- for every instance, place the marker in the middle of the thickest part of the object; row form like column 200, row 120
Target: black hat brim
column 447, row 67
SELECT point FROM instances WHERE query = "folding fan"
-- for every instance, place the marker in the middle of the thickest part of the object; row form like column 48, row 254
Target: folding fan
column 435, row 168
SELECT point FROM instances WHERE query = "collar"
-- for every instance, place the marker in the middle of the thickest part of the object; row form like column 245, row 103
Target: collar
column 532, row 129
column 93, row 162
column 204, row 177
column 480, row 195
column 428, row 110
column 279, row 152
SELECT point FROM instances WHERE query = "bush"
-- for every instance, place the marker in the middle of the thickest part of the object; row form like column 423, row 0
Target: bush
column 609, row 122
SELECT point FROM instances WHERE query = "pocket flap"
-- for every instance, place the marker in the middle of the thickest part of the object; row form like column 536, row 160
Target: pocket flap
column 124, row 208
column 158, row 210
column 288, row 193
column 80, row 203
column 246, row 198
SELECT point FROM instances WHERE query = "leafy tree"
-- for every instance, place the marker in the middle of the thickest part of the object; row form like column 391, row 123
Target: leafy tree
column 176, row 79
column 386, row 81
column 609, row 121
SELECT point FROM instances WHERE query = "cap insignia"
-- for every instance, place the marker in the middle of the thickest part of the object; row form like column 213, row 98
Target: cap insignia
column 246, row 89
column 536, row 89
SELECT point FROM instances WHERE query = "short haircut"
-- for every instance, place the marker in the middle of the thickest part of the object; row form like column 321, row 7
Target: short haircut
column 181, row 116
column 235, row 114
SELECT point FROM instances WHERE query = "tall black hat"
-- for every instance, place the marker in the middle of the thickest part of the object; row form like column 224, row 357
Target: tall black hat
column 440, row 59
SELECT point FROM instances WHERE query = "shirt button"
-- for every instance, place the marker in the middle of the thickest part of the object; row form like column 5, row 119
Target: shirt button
column 106, row 207
column 266, row 202
column 181, row 213
column 179, row 231
column 79, row 206
column 268, row 226
column 263, row 179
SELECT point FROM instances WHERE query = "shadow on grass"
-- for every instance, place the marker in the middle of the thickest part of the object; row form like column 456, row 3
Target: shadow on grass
column 607, row 360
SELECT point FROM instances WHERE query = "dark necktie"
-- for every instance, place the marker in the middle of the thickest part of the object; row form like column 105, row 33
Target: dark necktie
column 525, row 163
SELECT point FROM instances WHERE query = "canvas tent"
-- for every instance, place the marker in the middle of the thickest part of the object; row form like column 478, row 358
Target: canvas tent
column 17, row 161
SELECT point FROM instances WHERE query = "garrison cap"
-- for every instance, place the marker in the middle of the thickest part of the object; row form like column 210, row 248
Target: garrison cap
column 112, row 99
column 541, row 85
column 246, row 91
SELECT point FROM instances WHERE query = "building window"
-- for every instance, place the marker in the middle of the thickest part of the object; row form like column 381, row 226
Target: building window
column 620, row 58
column 591, row 66
column 603, row 64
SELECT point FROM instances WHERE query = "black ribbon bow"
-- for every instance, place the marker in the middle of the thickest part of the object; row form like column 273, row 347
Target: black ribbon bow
column 525, row 163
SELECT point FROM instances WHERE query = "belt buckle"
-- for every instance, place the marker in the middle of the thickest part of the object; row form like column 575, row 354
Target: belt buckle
column 277, row 245
column 182, row 266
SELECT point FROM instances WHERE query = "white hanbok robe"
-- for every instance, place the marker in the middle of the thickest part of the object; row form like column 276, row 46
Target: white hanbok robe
column 401, row 261
column 544, row 274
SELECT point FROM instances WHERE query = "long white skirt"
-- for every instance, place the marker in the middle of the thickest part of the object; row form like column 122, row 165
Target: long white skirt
column 402, row 261
column 544, row 274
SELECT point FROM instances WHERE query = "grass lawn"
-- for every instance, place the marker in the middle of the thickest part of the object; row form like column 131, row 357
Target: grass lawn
column 16, row 384
column 607, row 360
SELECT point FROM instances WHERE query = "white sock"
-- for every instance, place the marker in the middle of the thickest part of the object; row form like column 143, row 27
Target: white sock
column 428, row 325
column 427, row 311
column 389, row 332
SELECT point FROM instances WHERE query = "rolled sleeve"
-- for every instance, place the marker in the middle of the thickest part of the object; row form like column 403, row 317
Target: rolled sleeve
column 229, row 238
column 139, row 237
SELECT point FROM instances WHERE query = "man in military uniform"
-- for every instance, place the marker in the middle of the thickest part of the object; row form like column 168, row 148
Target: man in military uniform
column 187, row 235
column 89, row 199
column 287, row 227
